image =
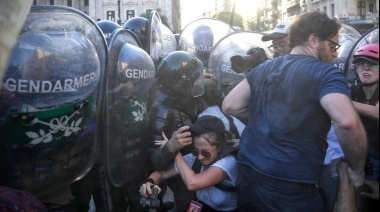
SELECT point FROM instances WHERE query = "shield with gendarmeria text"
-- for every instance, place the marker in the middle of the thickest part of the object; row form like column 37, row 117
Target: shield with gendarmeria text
column 50, row 100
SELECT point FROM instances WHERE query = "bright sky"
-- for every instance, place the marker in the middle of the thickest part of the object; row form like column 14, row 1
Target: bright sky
column 246, row 7
column 194, row 9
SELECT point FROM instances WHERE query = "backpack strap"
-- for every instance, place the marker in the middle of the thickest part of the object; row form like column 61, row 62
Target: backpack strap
column 233, row 127
column 375, row 98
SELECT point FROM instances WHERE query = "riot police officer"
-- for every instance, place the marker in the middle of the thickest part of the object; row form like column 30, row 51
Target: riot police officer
column 179, row 80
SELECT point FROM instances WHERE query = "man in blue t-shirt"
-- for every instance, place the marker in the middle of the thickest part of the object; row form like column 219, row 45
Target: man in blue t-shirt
column 289, row 103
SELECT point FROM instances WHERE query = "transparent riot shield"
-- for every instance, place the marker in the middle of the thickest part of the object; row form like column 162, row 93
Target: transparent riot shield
column 199, row 37
column 161, row 38
column 348, row 36
column 131, row 75
column 238, row 43
column 370, row 37
column 49, row 100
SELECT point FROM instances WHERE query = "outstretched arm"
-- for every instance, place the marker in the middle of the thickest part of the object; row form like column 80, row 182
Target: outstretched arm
column 368, row 111
column 350, row 132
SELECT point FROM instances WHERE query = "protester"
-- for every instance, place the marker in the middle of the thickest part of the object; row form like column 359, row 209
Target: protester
column 280, row 39
column 208, row 103
column 365, row 96
column 290, row 102
column 217, row 165
column 365, row 93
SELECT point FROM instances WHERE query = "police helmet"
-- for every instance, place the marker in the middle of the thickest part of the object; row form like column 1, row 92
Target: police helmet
column 138, row 25
column 181, row 74
column 107, row 27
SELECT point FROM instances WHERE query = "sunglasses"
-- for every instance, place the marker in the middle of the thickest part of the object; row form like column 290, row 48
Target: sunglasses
column 363, row 64
column 203, row 153
column 336, row 47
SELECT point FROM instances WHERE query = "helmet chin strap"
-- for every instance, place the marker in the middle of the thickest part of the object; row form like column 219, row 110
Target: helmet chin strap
column 369, row 84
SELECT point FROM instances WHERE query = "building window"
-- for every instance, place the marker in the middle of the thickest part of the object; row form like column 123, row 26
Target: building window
column 35, row 2
column 130, row 14
column 361, row 8
column 111, row 15
column 85, row 2
column 325, row 9
column 69, row 3
column 148, row 13
column 371, row 7
column 51, row 2
column 332, row 10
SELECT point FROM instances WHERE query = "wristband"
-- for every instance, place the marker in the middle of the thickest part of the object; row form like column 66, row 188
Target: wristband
column 149, row 180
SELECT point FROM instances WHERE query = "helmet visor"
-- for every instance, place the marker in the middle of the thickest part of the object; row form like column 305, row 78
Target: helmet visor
column 198, row 87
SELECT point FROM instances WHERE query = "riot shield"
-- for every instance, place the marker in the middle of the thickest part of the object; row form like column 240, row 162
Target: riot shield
column 49, row 100
column 370, row 37
column 199, row 37
column 348, row 36
column 238, row 43
column 131, row 75
column 161, row 39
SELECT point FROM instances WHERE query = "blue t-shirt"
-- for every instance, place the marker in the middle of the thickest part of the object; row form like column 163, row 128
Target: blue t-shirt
column 285, row 137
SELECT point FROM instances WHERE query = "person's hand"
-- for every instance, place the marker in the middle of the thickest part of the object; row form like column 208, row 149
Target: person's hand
column 161, row 143
column 180, row 139
column 146, row 190
column 374, row 186
column 207, row 75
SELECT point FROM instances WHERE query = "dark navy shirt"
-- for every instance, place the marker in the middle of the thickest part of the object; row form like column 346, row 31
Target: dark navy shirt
column 286, row 134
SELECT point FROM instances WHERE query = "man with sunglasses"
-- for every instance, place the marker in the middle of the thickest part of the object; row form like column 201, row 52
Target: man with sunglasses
column 280, row 40
column 289, row 103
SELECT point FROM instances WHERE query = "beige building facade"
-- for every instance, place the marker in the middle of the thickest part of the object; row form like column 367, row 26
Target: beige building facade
column 120, row 11
column 361, row 13
column 355, row 12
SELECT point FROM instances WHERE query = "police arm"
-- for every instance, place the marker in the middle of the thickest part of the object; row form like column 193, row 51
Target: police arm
column 164, row 156
column 350, row 132
column 193, row 181
column 368, row 111
column 237, row 100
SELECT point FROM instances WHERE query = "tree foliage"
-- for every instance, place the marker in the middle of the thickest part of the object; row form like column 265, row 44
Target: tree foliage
column 226, row 17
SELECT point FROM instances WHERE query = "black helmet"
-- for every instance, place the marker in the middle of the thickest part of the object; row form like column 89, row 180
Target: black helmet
column 107, row 27
column 138, row 25
column 181, row 74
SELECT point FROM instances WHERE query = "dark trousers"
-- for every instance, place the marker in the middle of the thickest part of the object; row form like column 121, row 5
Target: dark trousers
column 258, row 192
